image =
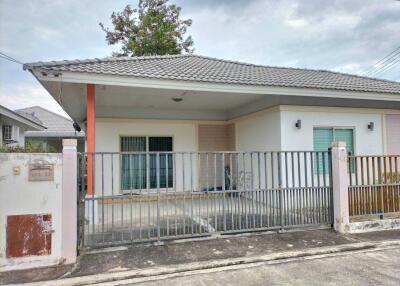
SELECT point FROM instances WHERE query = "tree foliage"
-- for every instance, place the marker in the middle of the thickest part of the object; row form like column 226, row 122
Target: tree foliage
column 154, row 28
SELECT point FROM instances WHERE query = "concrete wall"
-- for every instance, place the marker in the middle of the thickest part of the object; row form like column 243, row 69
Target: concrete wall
column 19, row 196
column 259, row 132
column 366, row 142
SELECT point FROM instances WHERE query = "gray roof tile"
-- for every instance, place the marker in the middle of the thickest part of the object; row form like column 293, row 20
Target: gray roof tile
column 57, row 125
column 205, row 69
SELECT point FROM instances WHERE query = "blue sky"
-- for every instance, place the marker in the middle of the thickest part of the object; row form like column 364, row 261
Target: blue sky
column 340, row 35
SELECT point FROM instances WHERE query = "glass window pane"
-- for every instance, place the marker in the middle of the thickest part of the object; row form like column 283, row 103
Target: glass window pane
column 323, row 138
column 161, row 144
column 133, row 166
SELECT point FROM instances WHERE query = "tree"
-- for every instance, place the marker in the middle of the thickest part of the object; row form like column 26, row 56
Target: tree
column 154, row 28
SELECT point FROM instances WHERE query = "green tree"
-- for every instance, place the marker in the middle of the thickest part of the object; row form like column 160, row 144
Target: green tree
column 154, row 28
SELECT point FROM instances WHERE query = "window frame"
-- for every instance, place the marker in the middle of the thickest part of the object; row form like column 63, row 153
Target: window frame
column 333, row 128
column 147, row 143
column 7, row 128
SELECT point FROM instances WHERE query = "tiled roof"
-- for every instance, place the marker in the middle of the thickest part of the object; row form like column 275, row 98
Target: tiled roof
column 57, row 125
column 205, row 69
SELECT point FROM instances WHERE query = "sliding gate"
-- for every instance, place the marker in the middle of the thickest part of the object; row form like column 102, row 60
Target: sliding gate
column 152, row 196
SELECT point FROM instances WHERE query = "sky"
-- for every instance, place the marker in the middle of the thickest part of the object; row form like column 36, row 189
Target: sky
column 341, row 35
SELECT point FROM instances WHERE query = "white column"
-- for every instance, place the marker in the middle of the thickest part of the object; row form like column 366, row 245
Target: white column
column 340, row 184
column 69, row 201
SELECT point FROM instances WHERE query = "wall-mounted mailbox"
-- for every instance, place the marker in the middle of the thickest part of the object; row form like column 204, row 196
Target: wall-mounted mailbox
column 16, row 170
column 41, row 172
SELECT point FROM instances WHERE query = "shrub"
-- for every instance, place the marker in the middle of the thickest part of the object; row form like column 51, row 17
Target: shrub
column 27, row 149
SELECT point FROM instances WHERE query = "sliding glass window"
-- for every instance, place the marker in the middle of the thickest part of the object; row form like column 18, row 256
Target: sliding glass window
column 134, row 166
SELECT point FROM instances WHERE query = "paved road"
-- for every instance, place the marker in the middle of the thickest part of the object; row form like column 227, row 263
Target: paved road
column 369, row 268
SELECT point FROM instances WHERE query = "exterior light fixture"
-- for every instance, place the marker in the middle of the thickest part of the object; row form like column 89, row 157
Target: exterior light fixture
column 371, row 126
column 298, row 124
column 177, row 99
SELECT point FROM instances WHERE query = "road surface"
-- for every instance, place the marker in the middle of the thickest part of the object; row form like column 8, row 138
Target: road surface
column 368, row 268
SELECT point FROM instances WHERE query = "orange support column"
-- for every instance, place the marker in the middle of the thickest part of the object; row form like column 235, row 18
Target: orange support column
column 90, row 135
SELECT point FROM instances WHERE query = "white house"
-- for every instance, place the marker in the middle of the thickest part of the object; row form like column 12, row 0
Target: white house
column 13, row 126
column 191, row 103
column 57, row 128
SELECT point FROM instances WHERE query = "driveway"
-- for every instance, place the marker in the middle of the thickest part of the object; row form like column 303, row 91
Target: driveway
column 368, row 268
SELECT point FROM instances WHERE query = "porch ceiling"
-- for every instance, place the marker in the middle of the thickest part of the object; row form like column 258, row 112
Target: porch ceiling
column 117, row 101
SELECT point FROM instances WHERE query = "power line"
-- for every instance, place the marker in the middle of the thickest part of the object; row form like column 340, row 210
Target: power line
column 8, row 58
column 383, row 62
column 388, row 67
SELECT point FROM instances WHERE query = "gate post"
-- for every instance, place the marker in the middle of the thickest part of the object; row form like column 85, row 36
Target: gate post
column 340, row 187
column 69, row 201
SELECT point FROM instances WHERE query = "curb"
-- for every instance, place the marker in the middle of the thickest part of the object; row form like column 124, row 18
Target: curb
column 176, row 269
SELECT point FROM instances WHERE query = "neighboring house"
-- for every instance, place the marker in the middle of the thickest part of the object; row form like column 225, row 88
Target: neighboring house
column 195, row 103
column 13, row 126
column 57, row 128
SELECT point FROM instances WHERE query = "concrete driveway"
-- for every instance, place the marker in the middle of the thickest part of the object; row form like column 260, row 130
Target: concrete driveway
column 368, row 268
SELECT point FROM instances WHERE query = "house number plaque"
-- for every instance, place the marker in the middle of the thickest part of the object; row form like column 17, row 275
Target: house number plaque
column 41, row 172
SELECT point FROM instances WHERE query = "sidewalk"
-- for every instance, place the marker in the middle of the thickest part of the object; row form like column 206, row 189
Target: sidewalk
column 181, row 256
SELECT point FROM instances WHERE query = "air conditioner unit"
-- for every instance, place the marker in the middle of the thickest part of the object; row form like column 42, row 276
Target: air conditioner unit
column 10, row 133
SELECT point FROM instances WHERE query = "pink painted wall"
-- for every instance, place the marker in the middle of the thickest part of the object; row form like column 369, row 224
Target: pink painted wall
column 393, row 134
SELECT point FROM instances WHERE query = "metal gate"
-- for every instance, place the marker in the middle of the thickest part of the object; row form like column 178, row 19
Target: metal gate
column 152, row 196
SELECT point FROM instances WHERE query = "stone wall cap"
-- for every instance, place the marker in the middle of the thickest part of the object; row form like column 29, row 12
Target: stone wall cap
column 339, row 144
column 69, row 142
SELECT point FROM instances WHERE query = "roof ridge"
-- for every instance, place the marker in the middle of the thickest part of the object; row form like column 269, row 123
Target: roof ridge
column 99, row 60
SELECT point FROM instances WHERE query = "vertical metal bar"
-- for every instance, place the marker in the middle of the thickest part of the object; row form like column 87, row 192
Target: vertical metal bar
column 102, row 197
column 140, row 156
column 121, row 199
column 215, row 192
column 148, row 194
column 318, row 197
column 266, row 193
column 175, row 191
column 208, row 198
column 252, row 189
column 278, row 155
column 260, row 201
column 81, row 212
column 273, row 190
column 191, row 192
column 288, row 192
column 158, row 194
column 199, row 173
column 231, row 189
column 306, row 190
column 299, row 195
column 313, row 193
column 184, row 193
column 245, row 191
column 112, row 197
column 324, row 187
column 131, row 197
column 223, row 188
column 93, row 199
column 167, row 189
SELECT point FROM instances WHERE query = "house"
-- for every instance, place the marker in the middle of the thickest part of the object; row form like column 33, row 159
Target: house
column 57, row 128
column 190, row 103
column 188, row 145
column 13, row 126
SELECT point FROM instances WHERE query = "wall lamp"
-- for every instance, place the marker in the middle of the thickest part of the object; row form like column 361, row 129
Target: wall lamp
column 371, row 126
column 298, row 124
